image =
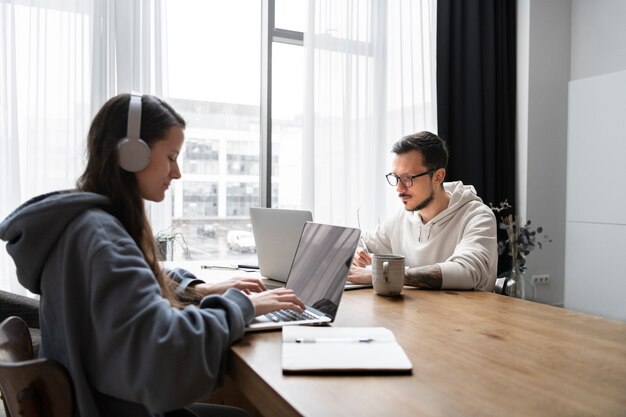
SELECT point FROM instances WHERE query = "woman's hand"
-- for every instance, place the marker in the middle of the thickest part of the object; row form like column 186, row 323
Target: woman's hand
column 361, row 258
column 278, row 299
column 247, row 285
column 358, row 275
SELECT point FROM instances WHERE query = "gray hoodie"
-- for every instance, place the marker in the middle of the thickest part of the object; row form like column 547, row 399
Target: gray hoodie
column 102, row 314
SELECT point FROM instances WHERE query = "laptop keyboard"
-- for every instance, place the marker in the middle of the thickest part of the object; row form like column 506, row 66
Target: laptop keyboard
column 289, row 315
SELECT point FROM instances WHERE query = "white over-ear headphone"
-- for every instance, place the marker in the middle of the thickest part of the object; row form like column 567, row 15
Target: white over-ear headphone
column 133, row 154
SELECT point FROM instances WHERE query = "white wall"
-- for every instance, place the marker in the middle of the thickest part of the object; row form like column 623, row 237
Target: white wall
column 598, row 37
column 596, row 193
column 572, row 140
column 543, row 75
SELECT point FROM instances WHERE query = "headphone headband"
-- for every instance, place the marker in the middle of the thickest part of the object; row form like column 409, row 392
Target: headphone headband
column 132, row 152
column 134, row 117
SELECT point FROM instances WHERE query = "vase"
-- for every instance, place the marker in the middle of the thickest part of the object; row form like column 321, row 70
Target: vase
column 519, row 277
column 165, row 250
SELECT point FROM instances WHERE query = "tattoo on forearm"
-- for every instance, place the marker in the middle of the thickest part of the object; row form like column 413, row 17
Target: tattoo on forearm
column 424, row 277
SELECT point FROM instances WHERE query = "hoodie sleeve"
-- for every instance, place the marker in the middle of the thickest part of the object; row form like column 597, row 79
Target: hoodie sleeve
column 143, row 350
column 183, row 278
column 473, row 265
column 379, row 240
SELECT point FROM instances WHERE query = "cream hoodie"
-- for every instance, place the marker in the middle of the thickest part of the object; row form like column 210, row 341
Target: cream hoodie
column 461, row 240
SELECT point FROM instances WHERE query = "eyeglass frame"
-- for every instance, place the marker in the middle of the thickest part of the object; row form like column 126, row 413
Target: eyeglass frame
column 410, row 177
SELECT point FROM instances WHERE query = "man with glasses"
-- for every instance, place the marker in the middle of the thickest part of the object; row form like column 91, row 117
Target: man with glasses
column 445, row 231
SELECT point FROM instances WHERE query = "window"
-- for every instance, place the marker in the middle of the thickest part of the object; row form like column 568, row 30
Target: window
column 290, row 14
column 287, row 118
column 243, row 158
column 201, row 156
column 214, row 82
column 200, row 199
column 206, row 58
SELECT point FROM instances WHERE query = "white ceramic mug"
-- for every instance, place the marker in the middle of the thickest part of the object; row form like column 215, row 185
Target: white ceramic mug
column 388, row 274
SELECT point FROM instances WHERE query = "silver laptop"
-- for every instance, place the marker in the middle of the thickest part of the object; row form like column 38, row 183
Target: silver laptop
column 276, row 235
column 317, row 275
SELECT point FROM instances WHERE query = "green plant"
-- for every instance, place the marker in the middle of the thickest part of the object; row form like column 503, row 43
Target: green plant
column 521, row 238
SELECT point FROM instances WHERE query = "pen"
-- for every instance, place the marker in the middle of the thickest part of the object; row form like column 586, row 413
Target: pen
column 233, row 267
column 364, row 245
column 247, row 266
column 334, row 340
column 219, row 267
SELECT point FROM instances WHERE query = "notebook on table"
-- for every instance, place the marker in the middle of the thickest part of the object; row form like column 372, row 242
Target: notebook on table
column 369, row 350
column 317, row 275
column 276, row 235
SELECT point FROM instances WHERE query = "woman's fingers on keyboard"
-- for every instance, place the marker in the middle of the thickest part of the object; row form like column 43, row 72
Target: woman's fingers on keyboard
column 273, row 300
column 289, row 298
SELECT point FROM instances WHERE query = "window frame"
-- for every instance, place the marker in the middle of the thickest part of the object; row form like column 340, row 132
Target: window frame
column 269, row 35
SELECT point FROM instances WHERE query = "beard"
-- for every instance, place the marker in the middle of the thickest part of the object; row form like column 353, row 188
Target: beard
column 423, row 204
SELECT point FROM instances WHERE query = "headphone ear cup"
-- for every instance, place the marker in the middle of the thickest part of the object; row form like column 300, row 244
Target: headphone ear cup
column 133, row 154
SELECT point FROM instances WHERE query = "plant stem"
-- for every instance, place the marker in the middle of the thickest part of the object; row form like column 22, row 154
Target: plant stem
column 513, row 232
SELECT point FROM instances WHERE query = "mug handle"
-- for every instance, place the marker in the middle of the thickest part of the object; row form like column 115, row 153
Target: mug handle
column 386, row 271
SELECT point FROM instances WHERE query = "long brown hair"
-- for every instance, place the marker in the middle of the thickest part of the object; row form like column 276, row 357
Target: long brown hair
column 104, row 176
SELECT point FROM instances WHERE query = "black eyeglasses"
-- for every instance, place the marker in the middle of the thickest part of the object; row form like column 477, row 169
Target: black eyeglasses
column 406, row 180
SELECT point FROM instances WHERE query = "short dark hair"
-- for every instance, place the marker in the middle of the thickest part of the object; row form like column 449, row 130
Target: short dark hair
column 433, row 149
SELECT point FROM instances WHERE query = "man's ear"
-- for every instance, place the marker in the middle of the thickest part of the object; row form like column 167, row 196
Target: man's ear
column 440, row 175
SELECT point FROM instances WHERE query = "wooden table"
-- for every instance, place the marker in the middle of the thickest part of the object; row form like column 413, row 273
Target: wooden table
column 473, row 354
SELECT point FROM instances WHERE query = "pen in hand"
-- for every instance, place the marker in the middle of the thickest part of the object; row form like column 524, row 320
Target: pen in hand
column 364, row 246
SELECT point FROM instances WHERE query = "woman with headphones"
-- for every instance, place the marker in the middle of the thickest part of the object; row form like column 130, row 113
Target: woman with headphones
column 136, row 340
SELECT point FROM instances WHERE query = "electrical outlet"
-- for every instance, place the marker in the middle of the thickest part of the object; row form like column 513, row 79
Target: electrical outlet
column 541, row 279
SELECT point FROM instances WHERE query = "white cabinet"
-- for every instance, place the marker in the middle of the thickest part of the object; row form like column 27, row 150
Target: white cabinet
column 595, row 250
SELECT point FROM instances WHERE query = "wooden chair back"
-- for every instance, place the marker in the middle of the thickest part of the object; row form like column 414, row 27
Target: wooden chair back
column 31, row 387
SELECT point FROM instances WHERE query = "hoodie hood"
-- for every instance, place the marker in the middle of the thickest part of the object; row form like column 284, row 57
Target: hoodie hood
column 33, row 229
column 460, row 196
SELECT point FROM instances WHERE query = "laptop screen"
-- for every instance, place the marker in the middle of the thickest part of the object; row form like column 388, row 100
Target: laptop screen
column 321, row 264
column 276, row 234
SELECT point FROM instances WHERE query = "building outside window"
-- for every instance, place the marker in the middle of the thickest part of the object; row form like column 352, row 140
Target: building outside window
column 218, row 93
column 200, row 199
column 201, row 156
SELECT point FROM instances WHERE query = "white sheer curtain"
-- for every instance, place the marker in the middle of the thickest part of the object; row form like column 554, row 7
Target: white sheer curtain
column 60, row 60
column 370, row 81
column 44, row 103
column 128, row 48
column 129, row 54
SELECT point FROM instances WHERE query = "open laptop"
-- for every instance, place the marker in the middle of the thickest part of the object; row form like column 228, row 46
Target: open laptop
column 317, row 275
column 276, row 235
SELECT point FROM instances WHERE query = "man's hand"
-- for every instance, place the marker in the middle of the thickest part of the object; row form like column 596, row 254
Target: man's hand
column 358, row 275
column 361, row 258
column 278, row 299
column 247, row 285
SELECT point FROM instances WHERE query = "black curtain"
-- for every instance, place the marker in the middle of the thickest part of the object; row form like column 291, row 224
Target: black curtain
column 476, row 81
